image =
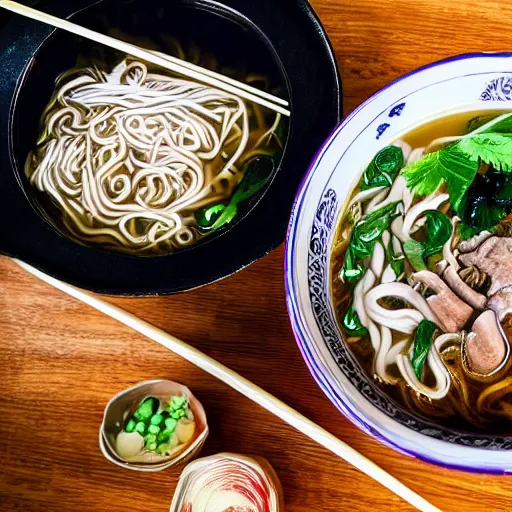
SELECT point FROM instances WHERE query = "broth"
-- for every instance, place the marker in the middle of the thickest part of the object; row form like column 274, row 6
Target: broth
column 422, row 310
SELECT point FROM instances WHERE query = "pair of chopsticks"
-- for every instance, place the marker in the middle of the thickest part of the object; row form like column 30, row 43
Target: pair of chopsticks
column 243, row 386
column 174, row 64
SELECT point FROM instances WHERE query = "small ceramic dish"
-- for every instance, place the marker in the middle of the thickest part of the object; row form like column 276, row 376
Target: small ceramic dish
column 283, row 40
column 118, row 440
column 468, row 83
column 227, row 481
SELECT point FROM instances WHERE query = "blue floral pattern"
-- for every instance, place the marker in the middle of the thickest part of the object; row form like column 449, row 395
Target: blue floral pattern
column 499, row 89
column 319, row 292
column 397, row 110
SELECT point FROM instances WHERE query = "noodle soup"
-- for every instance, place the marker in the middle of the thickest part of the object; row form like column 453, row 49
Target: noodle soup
column 420, row 265
column 137, row 160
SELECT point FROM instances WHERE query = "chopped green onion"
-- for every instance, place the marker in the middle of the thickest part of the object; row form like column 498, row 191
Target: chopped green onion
column 152, row 446
column 177, row 402
column 180, row 413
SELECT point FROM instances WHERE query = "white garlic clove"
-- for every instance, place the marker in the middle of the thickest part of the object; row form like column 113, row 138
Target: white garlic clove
column 129, row 444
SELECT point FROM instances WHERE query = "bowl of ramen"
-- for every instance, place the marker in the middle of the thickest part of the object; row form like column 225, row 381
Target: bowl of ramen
column 125, row 178
column 397, row 264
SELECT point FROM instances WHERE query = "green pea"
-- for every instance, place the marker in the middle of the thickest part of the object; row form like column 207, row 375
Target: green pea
column 162, row 448
column 156, row 419
column 171, row 423
column 130, row 426
column 140, row 427
column 153, row 429
column 165, row 435
column 152, row 446
column 149, row 439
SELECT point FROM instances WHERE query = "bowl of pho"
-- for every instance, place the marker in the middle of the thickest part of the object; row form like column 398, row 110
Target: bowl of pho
column 398, row 275
column 126, row 178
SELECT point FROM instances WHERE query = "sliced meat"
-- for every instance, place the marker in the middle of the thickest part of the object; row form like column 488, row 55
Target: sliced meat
column 501, row 303
column 452, row 312
column 484, row 347
column 493, row 257
column 465, row 292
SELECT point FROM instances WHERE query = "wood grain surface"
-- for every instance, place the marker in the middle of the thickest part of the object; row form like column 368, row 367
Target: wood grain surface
column 61, row 361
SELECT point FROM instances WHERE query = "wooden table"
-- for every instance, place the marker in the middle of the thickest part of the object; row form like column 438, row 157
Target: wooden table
column 61, row 361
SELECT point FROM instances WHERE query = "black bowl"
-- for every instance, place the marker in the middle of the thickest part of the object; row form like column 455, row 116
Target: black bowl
column 282, row 39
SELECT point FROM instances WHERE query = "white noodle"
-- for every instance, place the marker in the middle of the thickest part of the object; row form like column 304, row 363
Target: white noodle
column 402, row 320
column 126, row 155
column 432, row 202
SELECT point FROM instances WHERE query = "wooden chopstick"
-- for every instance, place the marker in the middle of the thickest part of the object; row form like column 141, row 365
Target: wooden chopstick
column 243, row 386
column 223, row 78
column 167, row 62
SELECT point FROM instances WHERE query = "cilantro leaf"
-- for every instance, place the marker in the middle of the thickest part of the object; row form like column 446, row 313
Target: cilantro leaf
column 491, row 148
column 448, row 165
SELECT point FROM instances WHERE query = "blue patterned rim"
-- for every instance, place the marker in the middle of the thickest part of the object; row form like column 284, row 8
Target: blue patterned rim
column 352, row 413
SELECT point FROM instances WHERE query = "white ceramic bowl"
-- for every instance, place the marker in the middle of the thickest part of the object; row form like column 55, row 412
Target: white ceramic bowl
column 468, row 82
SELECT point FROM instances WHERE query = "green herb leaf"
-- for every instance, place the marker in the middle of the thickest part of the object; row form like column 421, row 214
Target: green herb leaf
column 465, row 232
column 226, row 217
column 500, row 124
column 422, row 342
column 397, row 261
column 364, row 236
column 414, row 252
column 491, row 148
column 487, row 201
column 352, row 323
column 206, row 217
column 383, row 169
column 448, row 165
column 256, row 175
column 439, row 229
